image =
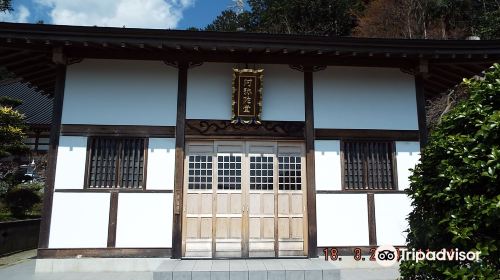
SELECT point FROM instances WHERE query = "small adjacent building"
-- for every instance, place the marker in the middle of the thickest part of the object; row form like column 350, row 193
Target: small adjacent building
column 188, row 144
column 37, row 109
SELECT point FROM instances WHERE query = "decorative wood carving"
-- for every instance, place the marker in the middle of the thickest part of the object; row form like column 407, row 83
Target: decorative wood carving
column 303, row 68
column 175, row 63
column 218, row 128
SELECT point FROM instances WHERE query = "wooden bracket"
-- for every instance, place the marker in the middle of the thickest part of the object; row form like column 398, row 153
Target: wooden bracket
column 58, row 56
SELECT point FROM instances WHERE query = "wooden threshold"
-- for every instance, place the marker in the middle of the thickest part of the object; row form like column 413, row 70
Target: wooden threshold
column 105, row 253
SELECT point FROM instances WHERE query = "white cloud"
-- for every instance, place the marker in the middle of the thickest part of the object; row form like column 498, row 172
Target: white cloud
column 20, row 14
column 131, row 13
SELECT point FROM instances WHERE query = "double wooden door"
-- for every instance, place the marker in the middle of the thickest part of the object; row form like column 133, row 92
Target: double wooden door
column 244, row 199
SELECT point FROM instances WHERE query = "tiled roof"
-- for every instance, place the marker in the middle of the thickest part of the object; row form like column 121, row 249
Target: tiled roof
column 36, row 107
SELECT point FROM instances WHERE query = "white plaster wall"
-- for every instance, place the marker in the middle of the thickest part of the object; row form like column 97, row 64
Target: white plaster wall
column 391, row 211
column 71, row 157
column 79, row 220
column 283, row 94
column 161, row 164
column 407, row 156
column 209, row 90
column 364, row 98
column 144, row 220
column 342, row 219
column 327, row 165
column 120, row 92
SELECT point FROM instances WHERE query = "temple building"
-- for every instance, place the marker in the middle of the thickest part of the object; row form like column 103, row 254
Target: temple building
column 191, row 144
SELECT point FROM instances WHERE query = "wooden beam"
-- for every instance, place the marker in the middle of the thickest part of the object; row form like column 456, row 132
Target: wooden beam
column 14, row 55
column 449, row 75
column 23, row 61
column 43, row 241
column 237, row 57
column 29, row 74
column 105, row 253
column 28, row 67
column 437, row 85
column 41, row 79
column 442, row 80
column 118, row 130
column 179, row 161
column 466, row 72
column 310, row 168
column 396, row 135
column 218, row 129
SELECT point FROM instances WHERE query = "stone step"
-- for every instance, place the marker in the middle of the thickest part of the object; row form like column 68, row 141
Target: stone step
column 251, row 269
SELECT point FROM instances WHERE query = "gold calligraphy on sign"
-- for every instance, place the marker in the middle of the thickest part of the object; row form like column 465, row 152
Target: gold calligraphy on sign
column 247, row 95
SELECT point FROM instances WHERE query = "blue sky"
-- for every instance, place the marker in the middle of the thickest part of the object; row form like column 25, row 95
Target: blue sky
column 175, row 14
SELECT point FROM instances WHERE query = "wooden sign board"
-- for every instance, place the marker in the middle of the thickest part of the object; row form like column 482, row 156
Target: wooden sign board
column 247, row 96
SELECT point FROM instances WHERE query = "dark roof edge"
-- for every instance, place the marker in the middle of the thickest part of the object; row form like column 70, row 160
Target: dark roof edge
column 92, row 32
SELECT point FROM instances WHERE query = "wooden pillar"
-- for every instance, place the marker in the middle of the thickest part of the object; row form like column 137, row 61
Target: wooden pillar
column 37, row 140
column 310, row 173
column 43, row 241
column 113, row 215
column 179, row 161
column 372, row 226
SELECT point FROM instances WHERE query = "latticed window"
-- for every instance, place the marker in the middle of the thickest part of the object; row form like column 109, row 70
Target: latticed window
column 290, row 177
column 261, row 173
column 368, row 165
column 116, row 162
column 229, row 172
column 200, row 173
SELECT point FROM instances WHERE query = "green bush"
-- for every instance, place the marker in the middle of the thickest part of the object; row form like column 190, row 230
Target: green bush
column 21, row 200
column 456, row 188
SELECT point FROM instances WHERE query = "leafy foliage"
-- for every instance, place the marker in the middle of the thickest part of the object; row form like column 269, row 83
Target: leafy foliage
column 12, row 128
column 430, row 19
column 229, row 21
column 486, row 21
column 5, row 5
column 22, row 198
column 315, row 17
column 413, row 19
column 455, row 188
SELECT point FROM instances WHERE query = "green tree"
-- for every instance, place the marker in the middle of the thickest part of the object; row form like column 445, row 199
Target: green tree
column 12, row 128
column 5, row 5
column 485, row 18
column 455, row 189
column 230, row 21
column 314, row 17
column 430, row 19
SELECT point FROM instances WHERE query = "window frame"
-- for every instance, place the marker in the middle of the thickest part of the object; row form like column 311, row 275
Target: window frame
column 118, row 165
column 395, row 187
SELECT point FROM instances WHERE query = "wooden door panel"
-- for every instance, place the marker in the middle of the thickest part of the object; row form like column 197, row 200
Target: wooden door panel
column 198, row 232
column 268, row 204
column 206, row 204
column 249, row 204
column 283, row 204
column 206, row 228
column 235, row 228
column 268, row 228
